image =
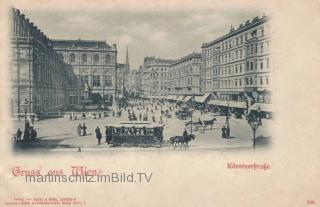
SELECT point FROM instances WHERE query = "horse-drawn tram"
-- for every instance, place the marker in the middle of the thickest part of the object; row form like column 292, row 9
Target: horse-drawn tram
column 139, row 134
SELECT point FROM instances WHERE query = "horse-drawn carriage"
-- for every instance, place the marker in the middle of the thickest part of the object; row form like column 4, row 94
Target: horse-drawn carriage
column 204, row 124
column 141, row 134
column 183, row 113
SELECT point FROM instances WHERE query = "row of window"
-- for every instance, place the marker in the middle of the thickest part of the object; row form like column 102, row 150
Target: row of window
column 255, row 64
column 183, row 72
column 184, row 82
column 236, row 41
column 97, row 79
column 234, row 83
column 252, row 49
column 96, row 58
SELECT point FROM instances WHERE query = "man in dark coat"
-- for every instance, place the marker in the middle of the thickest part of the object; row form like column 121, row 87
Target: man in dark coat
column 19, row 134
column 84, row 130
column 98, row 135
column 185, row 133
column 223, row 130
column 228, row 131
column 79, row 129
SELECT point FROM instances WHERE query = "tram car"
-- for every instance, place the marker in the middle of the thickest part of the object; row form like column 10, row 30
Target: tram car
column 136, row 134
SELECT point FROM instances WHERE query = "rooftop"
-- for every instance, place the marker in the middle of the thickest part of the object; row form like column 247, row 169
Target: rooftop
column 80, row 43
column 189, row 56
column 242, row 27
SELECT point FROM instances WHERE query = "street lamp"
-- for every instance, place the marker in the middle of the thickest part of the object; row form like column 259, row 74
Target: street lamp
column 25, row 106
column 254, row 121
column 192, row 104
column 227, row 115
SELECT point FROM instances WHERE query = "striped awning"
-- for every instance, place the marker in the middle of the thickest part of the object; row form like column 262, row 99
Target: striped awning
column 263, row 107
column 232, row 104
column 201, row 99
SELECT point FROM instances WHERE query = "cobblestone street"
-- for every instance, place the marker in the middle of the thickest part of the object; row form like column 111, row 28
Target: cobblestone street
column 61, row 134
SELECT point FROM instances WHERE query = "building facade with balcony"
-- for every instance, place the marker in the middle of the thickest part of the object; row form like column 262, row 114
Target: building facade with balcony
column 38, row 74
column 184, row 75
column 95, row 62
column 236, row 67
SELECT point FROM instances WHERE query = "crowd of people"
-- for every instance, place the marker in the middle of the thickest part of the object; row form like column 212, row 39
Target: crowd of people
column 29, row 132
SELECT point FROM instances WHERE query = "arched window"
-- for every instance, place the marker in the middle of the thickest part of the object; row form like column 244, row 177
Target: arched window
column 96, row 58
column 72, row 58
column 84, row 58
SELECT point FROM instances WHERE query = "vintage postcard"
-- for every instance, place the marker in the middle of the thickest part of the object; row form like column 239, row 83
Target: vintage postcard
column 160, row 103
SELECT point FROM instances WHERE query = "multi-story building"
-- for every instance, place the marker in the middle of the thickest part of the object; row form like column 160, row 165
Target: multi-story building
column 123, row 71
column 154, row 80
column 184, row 75
column 132, row 81
column 39, row 75
column 93, row 61
column 236, row 67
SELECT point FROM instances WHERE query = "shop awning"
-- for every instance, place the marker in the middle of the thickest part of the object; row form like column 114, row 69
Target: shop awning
column 232, row 104
column 263, row 107
column 187, row 98
column 180, row 98
column 201, row 99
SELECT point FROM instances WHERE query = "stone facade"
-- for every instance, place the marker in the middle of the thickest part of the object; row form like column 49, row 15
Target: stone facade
column 93, row 61
column 184, row 75
column 154, row 77
column 237, row 66
column 38, row 73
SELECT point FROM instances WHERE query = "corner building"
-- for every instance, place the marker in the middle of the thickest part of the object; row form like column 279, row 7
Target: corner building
column 237, row 67
column 184, row 75
column 154, row 77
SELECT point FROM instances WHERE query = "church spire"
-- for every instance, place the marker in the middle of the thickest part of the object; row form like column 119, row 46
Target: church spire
column 127, row 59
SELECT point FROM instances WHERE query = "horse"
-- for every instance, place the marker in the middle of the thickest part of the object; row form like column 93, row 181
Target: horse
column 174, row 141
column 196, row 124
column 209, row 122
column 182, row 140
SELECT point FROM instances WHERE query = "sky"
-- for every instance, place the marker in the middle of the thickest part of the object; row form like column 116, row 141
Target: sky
column 169, row 34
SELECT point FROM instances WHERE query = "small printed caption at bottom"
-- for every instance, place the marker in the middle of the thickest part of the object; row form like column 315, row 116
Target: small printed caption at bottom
column 45, row 201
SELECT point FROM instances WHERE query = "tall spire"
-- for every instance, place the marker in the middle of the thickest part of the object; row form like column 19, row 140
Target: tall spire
column 127, row 59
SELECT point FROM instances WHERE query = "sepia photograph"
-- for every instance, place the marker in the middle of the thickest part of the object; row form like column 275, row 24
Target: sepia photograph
column 140, row 80
column 160, row 103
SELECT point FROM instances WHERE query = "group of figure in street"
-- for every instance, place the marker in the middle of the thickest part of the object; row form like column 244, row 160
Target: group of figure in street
column 29, row 132
column 82, row 130
column 225, row 130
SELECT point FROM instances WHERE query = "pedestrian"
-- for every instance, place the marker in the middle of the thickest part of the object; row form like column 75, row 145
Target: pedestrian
column 140, row 116
column 228, row 131
column 99, row 115
column 79, row 129
column 153, row 118
column 27, row 125
column 19, row 134
column 84, row 130
column 70, row 117
column 94, row 115
column 26, row 134
column 98, row 135
column 223, row 130
column 32, row 119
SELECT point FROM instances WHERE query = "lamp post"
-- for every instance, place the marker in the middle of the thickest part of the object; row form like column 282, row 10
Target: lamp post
column 227, row 116
column 25, row 106
column 254, row 121
column 192, row 104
